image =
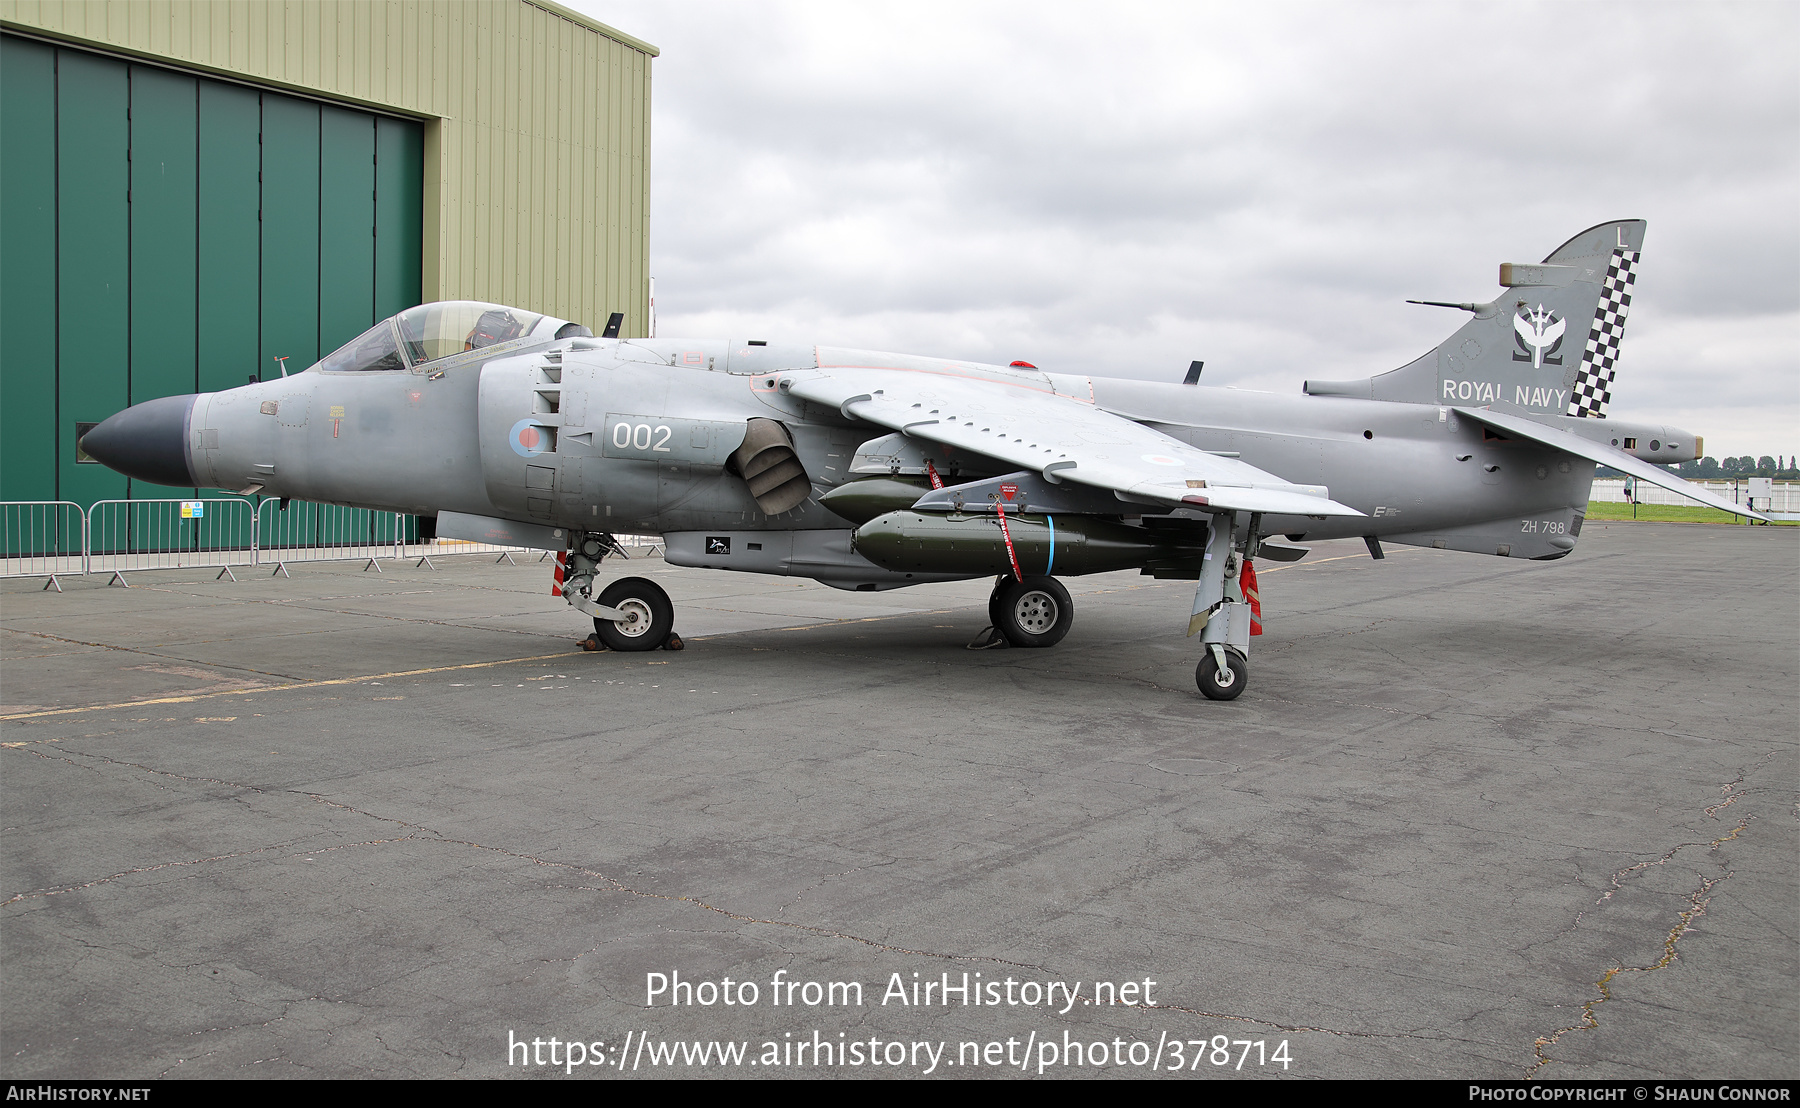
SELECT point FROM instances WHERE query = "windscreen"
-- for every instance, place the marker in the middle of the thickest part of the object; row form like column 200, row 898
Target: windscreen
column 374, row 349
column 433, row 331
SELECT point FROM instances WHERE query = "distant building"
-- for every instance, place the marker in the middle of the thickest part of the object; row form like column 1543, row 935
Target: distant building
column 189, row 190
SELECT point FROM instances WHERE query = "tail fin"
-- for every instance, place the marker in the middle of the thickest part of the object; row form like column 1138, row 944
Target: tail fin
column 1519, row 352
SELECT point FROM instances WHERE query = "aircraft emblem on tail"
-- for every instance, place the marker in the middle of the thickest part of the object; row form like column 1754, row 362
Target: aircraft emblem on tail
column 1541, row 333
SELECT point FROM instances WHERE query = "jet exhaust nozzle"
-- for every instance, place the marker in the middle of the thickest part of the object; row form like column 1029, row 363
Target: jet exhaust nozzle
column 146, row 442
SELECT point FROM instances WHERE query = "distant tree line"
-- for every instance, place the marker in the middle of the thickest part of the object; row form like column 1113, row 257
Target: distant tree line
column 1712, row 469
column 1746, row 466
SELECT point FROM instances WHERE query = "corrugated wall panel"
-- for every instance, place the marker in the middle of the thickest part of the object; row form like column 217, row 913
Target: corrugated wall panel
column 28, row 412
column 346, row 241
column 537, row 179
column 229, row 247
column 227, row 252
column 399, row 184
column 290, row 232
column 164, row 203
column 93, row 261
column 133, row 256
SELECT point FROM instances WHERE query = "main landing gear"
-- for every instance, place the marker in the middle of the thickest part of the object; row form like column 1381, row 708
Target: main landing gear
column 1034, row 612
column 632, row 613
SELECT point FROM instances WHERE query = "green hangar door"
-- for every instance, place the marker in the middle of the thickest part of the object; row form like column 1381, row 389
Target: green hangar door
column 162, row 233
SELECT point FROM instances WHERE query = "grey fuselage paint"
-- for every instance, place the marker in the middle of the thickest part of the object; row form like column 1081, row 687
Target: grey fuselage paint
column 633, row 436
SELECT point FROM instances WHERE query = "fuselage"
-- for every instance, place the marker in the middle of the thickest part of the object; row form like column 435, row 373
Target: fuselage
column 641, row 444
column 635, row 436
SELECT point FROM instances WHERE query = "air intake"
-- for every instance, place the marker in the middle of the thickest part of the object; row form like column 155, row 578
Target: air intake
column 768, row 464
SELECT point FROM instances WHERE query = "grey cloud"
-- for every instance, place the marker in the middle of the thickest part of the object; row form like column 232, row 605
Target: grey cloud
column 1125, row 187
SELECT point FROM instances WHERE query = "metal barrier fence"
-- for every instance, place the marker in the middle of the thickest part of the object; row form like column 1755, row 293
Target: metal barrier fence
column 130, row 535
column 302, row 531
column 56, row 538
column 1612, row 490
column 43, row 538
column 423, row 550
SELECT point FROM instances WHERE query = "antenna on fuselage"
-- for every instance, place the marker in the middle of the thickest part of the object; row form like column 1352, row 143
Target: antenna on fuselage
column 1193, row 377
column 613, row 323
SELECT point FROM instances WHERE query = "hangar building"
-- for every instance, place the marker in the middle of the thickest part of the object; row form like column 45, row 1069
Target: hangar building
column 190, row 190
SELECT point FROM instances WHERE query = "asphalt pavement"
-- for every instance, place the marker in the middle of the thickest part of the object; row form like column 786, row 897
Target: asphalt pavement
column 1472, row 818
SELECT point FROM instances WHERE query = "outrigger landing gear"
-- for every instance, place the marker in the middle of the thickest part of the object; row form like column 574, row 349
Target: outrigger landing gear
column 632, row 613
column 1220, row 613
column 1222, row 672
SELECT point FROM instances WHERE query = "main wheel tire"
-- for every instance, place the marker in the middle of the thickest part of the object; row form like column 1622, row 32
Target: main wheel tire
column 1226, row 684
column 649, row 615
column 1000, row 584
column 1034, row 612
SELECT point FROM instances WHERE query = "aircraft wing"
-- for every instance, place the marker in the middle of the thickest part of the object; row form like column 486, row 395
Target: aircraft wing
column 1569, row 443
column 1027, row 425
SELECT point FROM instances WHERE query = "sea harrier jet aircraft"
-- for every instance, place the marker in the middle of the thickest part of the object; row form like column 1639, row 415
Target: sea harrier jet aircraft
column 868, row 471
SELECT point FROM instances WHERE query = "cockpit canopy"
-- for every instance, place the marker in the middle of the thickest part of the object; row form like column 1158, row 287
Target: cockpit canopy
column 432, row 332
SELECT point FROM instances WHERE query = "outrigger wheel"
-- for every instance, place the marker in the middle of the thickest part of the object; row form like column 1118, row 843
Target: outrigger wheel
column 1222, row 684
column 1034, row 612
column 649, row 616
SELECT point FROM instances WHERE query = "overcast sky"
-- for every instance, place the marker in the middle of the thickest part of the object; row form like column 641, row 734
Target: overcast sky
column 1118, row 189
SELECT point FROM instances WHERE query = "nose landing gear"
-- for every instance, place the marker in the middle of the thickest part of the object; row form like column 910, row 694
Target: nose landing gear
column 631, row 614
column 649, row 617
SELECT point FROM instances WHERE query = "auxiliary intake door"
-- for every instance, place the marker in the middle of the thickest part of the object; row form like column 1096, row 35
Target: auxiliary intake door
column 519, row 421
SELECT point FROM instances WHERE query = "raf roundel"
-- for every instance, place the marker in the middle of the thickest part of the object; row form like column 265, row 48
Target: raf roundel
column 528, row 438
column 1161, row 460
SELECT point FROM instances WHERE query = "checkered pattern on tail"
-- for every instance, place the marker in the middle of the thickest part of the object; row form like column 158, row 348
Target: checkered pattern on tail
column 1593, row 382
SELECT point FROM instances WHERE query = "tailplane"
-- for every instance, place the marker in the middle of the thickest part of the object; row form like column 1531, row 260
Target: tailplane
column 1548, row 346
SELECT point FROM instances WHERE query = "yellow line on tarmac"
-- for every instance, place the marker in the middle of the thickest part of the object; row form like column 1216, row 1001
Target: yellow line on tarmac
column 383, row 676
column 473, row 665
column 1320, row 562
column 283, row 688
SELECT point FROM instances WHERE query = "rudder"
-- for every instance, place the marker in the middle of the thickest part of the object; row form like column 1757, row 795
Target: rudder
column 1591, row 390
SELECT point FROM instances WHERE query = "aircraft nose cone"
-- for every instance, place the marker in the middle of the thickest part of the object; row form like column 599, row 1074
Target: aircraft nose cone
column 146, row 442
